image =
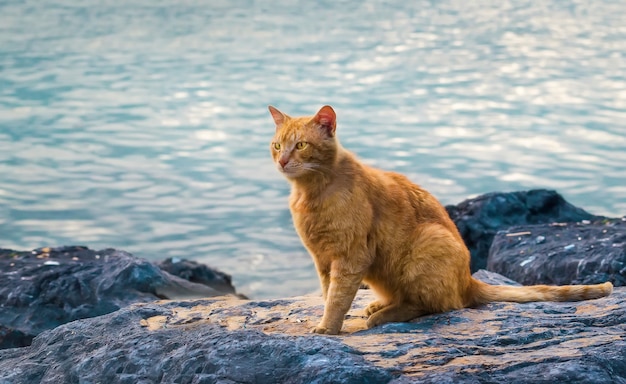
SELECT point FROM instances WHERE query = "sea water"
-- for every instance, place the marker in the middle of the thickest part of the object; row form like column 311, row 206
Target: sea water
column 143, row 125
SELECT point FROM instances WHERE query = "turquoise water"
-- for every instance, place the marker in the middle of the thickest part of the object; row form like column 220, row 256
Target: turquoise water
column 143, row 125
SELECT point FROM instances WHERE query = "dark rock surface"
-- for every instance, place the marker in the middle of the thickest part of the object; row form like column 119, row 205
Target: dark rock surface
column 198, row 273
column 12, row 338
column 47, row 287
column 218, row 340
column 480, row 218
column 573, row 253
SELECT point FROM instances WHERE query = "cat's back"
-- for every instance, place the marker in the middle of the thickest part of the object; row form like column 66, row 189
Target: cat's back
column 396, row 199
column 393, row 188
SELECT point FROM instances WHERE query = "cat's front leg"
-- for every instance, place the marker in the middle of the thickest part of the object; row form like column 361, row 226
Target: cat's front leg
column 341, row 291
column 323, row 272
column 325, row 282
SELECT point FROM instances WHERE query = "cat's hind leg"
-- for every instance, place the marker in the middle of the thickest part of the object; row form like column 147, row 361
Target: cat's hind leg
column 394, row 313
column 374, row 307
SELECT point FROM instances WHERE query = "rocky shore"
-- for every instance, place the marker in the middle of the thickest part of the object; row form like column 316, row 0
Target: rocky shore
column 47, row 287
column 73, row 314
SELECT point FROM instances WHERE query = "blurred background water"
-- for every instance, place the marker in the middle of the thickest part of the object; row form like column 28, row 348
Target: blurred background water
column 142, row 125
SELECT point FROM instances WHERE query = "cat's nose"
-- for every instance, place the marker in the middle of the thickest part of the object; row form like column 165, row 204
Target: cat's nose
column 283, row 161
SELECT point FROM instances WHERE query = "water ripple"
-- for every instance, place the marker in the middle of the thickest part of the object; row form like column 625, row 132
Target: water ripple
column 144, row 126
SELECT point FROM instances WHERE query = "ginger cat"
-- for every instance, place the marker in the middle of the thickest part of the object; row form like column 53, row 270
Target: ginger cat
column 364, row 224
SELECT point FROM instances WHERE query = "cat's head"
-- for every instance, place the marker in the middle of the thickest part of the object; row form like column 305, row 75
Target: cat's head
column 304, row 146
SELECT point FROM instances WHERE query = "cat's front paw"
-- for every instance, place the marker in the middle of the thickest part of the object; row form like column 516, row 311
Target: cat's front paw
column 324, row 331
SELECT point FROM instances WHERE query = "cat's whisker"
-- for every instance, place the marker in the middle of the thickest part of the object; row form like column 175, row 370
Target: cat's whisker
column 319, row 168
column 311, row 167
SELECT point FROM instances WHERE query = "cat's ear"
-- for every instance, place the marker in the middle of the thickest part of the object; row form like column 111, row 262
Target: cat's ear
column 327, row 118
column 278, row 116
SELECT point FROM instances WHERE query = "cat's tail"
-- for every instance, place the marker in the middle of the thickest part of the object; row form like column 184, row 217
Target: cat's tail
column 483, row 293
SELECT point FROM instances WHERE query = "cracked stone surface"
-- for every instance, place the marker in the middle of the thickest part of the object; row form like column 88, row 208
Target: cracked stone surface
column 562, row 253
column 233, row 340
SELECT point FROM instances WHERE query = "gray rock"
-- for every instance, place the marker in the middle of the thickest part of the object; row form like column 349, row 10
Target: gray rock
column 572, row 253
column 47, row 287
column 116, row 348
column 199, row 273
column 493, row 278
column 218, row 340
column 480, row 218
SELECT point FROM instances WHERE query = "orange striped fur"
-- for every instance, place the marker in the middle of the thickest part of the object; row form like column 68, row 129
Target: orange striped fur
column 364, row 224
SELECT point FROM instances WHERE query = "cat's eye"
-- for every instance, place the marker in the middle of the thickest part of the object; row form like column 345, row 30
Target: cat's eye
column 277, row 146
column 301, row 145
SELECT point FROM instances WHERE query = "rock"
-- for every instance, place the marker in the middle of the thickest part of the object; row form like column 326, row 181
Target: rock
column 131, row 346
column 228, row 340
column 494, row 278
column 572, row 253
column 480, row 218
column 47, row 287
column 12, row 338
column 199, row 273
